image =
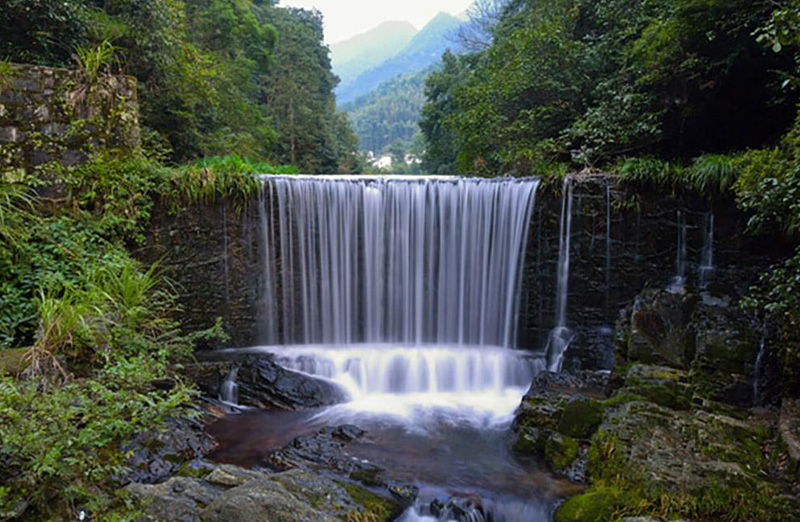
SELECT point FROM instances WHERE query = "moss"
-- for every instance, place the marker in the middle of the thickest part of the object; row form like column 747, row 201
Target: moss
column 525, row 444
column 376, row 507
column 623, row 397
column 580, row 418
column 560, row 452
column 187, row 469
column 598, row 505
column 370, row 477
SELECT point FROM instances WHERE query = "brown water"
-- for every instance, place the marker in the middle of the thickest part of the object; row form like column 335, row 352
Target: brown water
column 443, row 455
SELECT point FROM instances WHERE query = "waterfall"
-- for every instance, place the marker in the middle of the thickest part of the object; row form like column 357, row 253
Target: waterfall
column 608, row 245
column 758, row 371
column 560, row 336
column 229, row 389
column 706, row 269
column 399, row 369
column 680, row 257
column 410, row 260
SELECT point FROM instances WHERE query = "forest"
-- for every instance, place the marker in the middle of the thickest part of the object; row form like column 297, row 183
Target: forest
column 214, row 77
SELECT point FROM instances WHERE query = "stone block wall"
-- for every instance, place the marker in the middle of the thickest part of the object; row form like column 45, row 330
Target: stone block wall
column 54, row 115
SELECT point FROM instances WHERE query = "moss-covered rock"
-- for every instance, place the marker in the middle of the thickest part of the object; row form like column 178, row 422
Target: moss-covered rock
column 560, row 452
column 726, row 349
column 557, row 413
column 656, row 329
column 598, row 505
column 659, row 384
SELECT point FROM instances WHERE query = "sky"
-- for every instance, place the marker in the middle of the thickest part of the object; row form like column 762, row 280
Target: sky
column 347, row 18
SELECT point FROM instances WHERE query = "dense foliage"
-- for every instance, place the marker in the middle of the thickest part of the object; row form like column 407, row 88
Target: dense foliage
column 389, row 113
column 587, row 82
column 208, row 71
column 89, row 337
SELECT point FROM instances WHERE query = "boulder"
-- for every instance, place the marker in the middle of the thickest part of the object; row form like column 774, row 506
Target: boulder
column 655, row 329
column 327, row 451
column 262, row 382
column 231, row 494
column 726, row 345
column 558, row 415
column 158, row 454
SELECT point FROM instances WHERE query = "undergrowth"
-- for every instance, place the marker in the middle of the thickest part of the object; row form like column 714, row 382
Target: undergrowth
column 710, row 174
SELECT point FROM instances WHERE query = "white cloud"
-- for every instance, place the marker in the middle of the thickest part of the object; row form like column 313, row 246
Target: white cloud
column 347, row 18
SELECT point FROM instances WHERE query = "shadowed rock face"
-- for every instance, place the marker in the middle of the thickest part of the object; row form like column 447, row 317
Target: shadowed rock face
column 263, row 383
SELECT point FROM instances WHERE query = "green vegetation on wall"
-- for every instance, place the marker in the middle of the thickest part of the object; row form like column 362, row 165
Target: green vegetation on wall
column 208, row 72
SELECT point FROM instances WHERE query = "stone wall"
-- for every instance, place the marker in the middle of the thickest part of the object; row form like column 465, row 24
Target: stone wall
column 215, row 255
column 624, row 239
column 54, row 115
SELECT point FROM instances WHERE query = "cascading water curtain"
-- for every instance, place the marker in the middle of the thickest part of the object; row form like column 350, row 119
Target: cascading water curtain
column 417, row 261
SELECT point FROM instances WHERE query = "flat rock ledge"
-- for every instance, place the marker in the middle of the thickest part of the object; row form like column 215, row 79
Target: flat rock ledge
column 225, row 493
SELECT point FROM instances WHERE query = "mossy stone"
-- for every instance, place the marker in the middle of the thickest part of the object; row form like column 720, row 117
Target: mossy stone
column 560, row 452
column 580, row 418
column 378, row 508
column 597, row 505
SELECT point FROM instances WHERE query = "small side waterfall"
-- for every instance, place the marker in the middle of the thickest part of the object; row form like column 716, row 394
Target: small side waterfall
column 608, row 245
column 561, row 336
column 407, row 260
column 229, row 389
column 758, row 371
column 680, row 257
column 706, row 269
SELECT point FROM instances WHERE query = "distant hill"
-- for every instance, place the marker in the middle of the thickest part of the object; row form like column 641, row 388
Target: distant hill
column 389, row 113
column 424, row 50
column 362, row 52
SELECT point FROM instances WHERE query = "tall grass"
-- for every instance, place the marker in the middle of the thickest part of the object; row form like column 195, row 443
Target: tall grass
column 231, row 177
column 707, row 175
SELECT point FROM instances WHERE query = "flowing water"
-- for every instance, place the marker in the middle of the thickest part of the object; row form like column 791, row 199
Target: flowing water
column 706, row 269
column 681, row 254
column 560, row 335
column 406, row 260
column 404, row 291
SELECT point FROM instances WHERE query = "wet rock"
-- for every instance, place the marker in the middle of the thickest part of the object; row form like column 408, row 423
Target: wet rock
column 558, row 415
column 157, row 455
column 659, row 384
column 726, row 347
column 327, row 450
column 323, row 450
column 263, row 383
column 655, row 329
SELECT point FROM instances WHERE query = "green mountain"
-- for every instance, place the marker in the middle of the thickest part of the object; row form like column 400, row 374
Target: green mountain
column 389, row 114
column 424, row 50
column 362, row 52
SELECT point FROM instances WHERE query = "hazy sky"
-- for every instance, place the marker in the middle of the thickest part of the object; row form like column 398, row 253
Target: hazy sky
column 346, row 18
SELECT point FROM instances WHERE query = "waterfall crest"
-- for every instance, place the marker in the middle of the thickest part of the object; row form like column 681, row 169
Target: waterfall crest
column 402, row 260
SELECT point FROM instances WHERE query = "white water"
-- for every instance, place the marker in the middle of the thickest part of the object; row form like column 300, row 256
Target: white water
column 680, row 257
column 484, row 383
column 706, row 270
column 407, row 260
column 229, row 389
column 758, row 371
column 561, row 336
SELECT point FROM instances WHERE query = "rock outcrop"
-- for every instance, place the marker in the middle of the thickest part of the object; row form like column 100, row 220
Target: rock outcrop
column 230, row 494
column 675, row 437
